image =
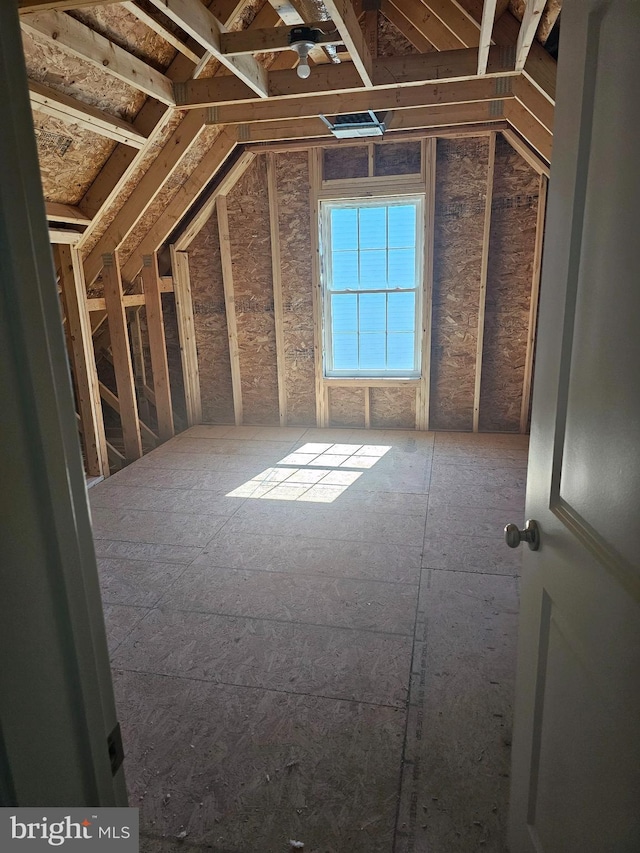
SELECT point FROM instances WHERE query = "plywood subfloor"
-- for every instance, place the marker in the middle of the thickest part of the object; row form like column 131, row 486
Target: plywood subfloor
column 313, row 637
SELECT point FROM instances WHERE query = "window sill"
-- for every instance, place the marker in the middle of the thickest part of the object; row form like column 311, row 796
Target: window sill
column 370, row 381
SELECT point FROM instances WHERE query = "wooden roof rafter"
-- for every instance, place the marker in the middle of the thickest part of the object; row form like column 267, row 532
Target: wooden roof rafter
column 202, row 25
column 81, row 41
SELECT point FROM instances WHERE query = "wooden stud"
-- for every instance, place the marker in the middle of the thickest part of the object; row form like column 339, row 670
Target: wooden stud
column 276, row 269
column 424, row 387
column 111, row 400
column 367, row 407
column 157, row 347
column 230, row 305
column 139, row 369
column 74, row 296
column 223, row 188
column 121, row 357
column 484, row 269
column 322, row 394
column 486, row 28
column 58, row 105
column 75, row 38
column 533, row 308
column 187, row 335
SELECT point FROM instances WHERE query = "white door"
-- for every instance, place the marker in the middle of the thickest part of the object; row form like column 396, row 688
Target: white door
column 576, row 746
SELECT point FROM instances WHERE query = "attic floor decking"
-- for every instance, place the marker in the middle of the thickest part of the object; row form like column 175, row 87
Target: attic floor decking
column 337, row 669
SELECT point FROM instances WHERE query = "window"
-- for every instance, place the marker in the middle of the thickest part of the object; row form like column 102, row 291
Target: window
column 372, row 281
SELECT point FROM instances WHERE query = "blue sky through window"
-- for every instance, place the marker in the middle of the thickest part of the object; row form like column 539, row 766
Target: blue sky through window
column 372, row 247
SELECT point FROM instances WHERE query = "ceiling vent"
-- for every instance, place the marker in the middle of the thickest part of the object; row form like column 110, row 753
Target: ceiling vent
column 356, row 125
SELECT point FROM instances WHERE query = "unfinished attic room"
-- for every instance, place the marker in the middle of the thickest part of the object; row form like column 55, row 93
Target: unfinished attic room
column 291, row 355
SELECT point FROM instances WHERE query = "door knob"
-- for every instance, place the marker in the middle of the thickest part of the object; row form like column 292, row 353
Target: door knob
column 531, row 535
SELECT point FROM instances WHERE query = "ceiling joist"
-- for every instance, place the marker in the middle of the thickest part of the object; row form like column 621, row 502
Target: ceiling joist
column 530, row 20
column 486, row 28
column 164, row 32
column 273, row 39
column 346, row 22
column 411, row 70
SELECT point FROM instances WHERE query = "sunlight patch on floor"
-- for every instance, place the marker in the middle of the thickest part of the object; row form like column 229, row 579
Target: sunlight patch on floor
column 314, row 472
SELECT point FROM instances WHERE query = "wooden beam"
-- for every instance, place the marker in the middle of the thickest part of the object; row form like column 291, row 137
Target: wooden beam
column 540, row 68
column 486, row 29
column 342, row 14
column 223, row 188
column 121, row 357
column 248, row 42
column 484, row 271
column 187, row 335
column 530, row 20
column 388, row 72
column 160, row 30
column 83, row 362
column 75, row 38
column 322, row 393
column 529, row 127
column 25, row 6
column 157, row 347
column 419, row 118
column 455, row 18
column 59, row 236
column 423, row 398
column 57, row 212
column 145, row 192
column 526, row 152
column 276, row 272
column 230, row 306
column 533, row 306
column 139, row 368
column 196, row 20
column 71, row 111
column 533, row 100
column 184, row 198
column 404, row 25
column 453, row 92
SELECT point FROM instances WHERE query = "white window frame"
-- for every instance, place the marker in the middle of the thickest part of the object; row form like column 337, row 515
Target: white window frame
column 326, row 206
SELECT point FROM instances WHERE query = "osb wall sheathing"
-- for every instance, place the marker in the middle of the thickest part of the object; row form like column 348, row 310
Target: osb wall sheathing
column 249, row 229
column 346, row 407
column 340, row 163
column 393, row 408
column 400, row 158
column 513, row 233
column 461, row 185
column 292, row 180
column 210, row 319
